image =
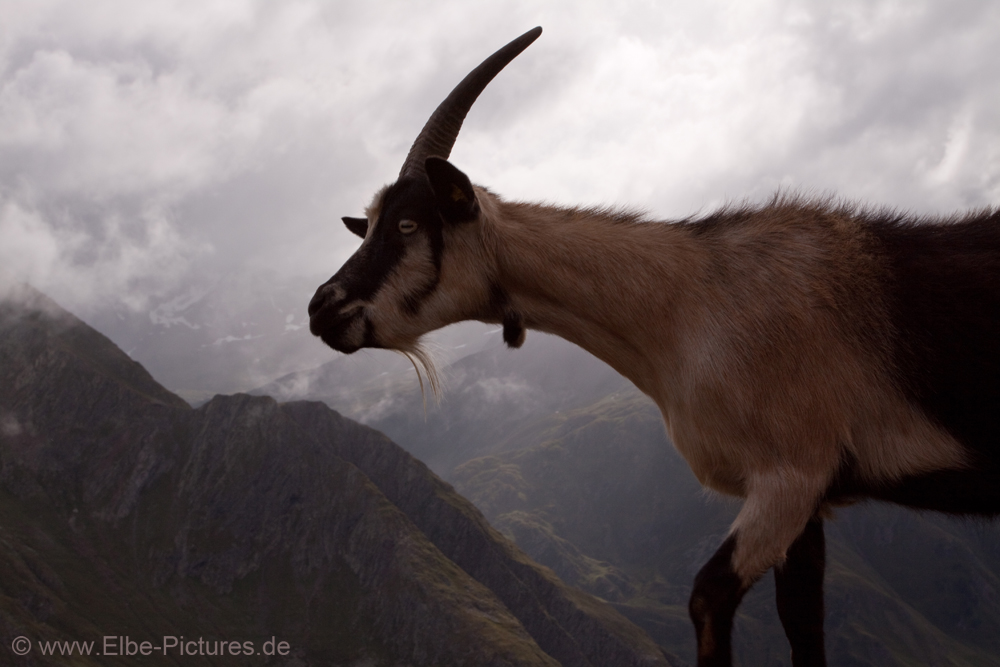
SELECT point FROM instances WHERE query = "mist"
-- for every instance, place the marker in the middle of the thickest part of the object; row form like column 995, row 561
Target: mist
column 174, row 172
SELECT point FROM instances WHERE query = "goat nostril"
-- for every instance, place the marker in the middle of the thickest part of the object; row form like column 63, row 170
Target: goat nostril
column 315, row 304
column 327, row 295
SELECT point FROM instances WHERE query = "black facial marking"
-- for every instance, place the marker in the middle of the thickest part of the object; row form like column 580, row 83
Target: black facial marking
column 366, row 272
column 413, row 300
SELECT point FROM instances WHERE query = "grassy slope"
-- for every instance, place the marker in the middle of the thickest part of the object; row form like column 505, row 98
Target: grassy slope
column 608, row 504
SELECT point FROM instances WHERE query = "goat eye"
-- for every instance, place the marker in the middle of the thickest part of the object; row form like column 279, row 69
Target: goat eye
column 407, row 226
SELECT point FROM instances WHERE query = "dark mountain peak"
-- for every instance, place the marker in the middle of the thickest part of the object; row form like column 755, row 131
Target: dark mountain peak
column 125, row 511
column 41, row 326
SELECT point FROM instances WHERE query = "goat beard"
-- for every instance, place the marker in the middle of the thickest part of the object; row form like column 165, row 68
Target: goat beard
column 422, row 359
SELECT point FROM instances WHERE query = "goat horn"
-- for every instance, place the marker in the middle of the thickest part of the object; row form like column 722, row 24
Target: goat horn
column 441, row 129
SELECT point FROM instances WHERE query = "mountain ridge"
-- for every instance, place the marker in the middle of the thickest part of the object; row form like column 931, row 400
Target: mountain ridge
column 238, row 519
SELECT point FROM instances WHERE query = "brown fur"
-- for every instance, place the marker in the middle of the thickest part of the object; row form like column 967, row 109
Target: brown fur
column 761, row 338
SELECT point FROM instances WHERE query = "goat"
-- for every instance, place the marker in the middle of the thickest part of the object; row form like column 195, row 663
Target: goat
column 804, row 354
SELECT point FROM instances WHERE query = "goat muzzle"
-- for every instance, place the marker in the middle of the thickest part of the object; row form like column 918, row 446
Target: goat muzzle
column 337, row 323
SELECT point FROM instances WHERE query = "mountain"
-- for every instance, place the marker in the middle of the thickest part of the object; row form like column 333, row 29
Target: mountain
column 610, row 506
column 127, row 514
column 222, row 334
column 494, row 395
column 573, row 463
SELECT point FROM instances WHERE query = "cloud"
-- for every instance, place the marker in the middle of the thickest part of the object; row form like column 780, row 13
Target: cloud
column 148, row 149
column 253, row 127
column 30, row 249
column 678, row 111
column 113, row 130
column 113, row 260
column 505, row 390
column 159, row 122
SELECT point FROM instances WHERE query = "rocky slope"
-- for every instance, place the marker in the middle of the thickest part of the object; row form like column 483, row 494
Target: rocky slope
column 124, row 512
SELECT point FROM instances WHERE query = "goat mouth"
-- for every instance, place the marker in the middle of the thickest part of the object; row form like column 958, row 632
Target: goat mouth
column 344, row 333
column 339, row 345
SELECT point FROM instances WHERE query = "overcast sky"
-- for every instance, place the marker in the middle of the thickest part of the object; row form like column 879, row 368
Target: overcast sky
column 146, row 145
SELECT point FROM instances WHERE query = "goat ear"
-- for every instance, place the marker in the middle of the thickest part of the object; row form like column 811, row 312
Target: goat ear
column 455, row 198
column 357, row 226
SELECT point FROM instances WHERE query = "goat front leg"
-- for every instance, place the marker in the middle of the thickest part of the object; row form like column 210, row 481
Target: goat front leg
column 799, row 594
column 778, row 507
column 716, row 595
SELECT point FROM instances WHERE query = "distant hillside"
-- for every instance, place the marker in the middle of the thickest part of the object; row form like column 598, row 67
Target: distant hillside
column 574, row 464
column 610, row 506
column 124, row 512
column 492, row 400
